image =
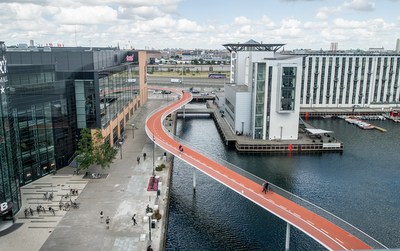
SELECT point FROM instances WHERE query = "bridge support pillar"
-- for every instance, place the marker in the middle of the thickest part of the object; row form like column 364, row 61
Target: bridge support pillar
column 194, row 180
column 287, row 237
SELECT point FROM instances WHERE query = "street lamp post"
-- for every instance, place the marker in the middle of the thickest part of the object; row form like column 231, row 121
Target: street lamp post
column 182, row 73
column 149, row 215
column 154, row 146
column 120, row 149
column 133, row 130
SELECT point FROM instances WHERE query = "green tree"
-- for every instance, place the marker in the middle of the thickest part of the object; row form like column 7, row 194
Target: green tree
column 85, row 157
column 94, row 150
column 103, row 153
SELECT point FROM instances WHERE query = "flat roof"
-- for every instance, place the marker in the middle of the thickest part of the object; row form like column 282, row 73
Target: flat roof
column 239, row 88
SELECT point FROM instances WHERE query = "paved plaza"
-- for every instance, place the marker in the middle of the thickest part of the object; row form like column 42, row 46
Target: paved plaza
column 120, row 192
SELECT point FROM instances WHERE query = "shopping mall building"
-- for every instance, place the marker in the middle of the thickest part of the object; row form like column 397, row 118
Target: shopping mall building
column 48, row 95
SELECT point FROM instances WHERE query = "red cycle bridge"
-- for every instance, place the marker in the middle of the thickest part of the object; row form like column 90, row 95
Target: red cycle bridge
column 308, row 218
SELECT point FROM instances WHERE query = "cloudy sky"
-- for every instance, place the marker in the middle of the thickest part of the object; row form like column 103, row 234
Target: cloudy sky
column 204, row 24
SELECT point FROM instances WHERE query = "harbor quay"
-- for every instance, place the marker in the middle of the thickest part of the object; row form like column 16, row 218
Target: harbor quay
column 126, row 189
column 309, row 141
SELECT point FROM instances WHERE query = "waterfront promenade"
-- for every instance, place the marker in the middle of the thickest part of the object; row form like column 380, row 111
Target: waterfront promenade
column 120, row 192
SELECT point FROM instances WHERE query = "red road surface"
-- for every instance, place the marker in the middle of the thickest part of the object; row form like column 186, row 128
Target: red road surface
column 323, row 231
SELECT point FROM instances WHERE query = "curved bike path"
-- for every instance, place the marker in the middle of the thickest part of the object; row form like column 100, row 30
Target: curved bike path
column 323, row 231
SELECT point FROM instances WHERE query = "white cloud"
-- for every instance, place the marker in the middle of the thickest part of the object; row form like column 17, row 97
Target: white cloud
column 185, row 25
column 266, row 22
column 362, row 5
column 86, row 15
column 315, row 25
column 247, row 29
column 20, row 11
column 326, row 12
column 355, row 5
column 242, row 21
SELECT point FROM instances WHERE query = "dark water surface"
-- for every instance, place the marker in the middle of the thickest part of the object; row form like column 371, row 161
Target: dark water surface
column 361, row 186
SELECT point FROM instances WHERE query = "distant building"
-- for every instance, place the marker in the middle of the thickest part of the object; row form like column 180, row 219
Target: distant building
column 334, row 46
column 345, row 79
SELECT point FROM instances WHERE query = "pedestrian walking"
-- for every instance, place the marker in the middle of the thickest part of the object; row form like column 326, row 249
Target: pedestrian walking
column 31, row 211
column 144, row 156
column 265, row 187
column 101, row 216
column 38, row 209
column 138, row 159
column 134, row 220
column 108, row 222
column 180, row 148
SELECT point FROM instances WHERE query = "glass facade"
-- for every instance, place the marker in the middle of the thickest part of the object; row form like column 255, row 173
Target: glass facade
column 288, row 88
column 43, row 117
column 117, row 88
column 56, row 93
column 10, row 196
column 46, row 97
column 260, row 100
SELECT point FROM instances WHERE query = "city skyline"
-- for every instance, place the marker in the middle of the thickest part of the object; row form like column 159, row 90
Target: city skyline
column 139, row 24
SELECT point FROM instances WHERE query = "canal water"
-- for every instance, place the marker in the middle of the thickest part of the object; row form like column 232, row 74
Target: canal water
column 361, row 186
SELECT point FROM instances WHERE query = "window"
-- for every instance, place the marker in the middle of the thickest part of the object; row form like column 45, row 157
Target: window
column 288, row 88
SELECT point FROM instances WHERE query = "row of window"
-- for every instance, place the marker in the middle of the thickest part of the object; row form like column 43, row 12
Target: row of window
column 350, row 80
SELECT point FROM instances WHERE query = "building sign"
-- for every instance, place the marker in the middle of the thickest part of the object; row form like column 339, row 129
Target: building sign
column 129, row 58
column 3, row 71
column 3, row 65
column 5, row 207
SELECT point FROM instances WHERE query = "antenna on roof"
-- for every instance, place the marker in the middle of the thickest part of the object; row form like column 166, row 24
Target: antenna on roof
column 75, row 37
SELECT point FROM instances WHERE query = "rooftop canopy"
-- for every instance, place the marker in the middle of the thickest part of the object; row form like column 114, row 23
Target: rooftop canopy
column 314, row 131
column 252, row 45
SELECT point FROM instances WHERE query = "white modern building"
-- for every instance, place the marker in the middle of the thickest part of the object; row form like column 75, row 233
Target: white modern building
column 350, row 79
column 263, row 99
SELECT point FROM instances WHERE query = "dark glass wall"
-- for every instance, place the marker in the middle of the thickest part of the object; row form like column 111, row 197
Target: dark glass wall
column 43, row 117
column 55, row 93
column 10, row 197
